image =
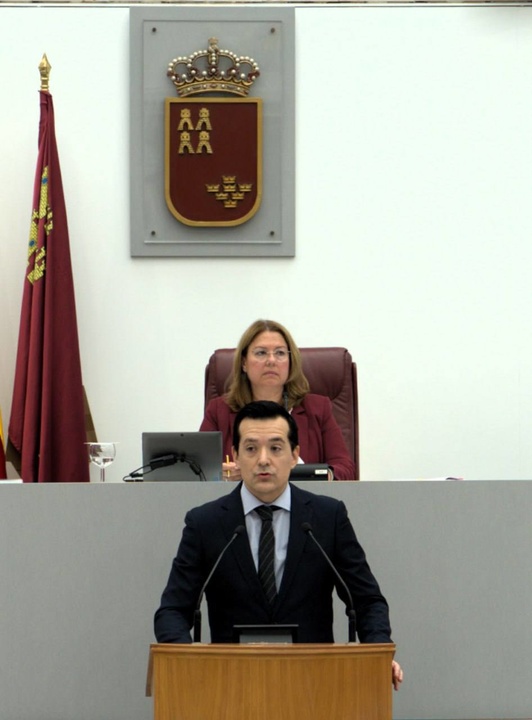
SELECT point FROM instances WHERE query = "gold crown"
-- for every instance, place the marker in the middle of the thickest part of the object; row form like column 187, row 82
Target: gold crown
column 213, row 70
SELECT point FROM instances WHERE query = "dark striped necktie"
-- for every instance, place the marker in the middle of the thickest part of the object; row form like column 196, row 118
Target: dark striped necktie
column 267, row 551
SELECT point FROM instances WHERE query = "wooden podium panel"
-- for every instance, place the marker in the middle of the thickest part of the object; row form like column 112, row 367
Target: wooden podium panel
column 261, row 682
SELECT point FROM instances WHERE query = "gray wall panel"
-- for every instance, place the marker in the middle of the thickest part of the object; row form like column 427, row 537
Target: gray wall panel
column 157, row 36
column 83, row 567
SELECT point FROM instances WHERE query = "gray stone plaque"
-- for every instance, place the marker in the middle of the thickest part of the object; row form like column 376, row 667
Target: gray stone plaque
column 158, row 36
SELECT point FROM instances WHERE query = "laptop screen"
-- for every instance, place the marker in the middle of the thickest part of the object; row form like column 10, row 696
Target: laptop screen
column 182, row 456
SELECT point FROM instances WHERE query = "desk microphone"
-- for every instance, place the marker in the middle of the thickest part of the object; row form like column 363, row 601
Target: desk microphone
column 197, row 612
column 164, row 461
column 352, row 633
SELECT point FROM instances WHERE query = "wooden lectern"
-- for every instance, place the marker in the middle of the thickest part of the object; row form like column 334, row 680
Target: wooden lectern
column 271, row 682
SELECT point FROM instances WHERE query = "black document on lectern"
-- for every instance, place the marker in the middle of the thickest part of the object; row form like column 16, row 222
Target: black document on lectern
column 265, row 633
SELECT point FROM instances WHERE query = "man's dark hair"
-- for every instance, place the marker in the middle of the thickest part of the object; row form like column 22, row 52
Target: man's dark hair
column 265, row 410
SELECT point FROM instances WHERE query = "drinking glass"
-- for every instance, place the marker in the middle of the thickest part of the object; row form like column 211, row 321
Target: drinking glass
column 102, row 454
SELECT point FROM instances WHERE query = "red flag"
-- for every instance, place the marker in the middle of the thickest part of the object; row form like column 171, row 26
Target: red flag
column 47, row 425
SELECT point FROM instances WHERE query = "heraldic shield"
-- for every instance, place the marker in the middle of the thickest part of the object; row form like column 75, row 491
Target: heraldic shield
column 213, row 159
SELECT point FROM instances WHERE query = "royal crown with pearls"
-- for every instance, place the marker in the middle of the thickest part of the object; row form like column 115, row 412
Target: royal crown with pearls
column 213, row 70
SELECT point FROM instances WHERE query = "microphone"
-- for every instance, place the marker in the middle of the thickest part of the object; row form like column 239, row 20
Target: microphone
column 164, row 461
column 157, row 462
column 197, row 612
column 352, row 633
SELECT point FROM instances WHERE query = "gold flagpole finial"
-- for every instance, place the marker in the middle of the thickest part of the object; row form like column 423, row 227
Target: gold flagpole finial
column 44, row 69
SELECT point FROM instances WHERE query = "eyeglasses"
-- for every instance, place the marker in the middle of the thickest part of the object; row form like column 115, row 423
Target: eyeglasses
column 262, row 355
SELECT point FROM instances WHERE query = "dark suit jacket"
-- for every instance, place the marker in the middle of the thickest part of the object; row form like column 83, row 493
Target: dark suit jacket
column 235, row 595
column 320, row 438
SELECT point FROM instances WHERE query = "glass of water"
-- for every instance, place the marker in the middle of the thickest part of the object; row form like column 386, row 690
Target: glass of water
column 102, row 454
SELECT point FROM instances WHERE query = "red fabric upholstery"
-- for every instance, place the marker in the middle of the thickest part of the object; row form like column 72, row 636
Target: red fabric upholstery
column 330, row 371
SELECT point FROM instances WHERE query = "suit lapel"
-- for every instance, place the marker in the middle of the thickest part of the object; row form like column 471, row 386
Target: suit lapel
column 232, row 515
column 300, row 512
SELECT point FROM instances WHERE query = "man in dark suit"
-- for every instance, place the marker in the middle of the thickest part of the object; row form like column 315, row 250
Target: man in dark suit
column 301, row 581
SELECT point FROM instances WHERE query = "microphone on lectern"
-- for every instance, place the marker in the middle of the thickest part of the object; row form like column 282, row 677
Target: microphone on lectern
column 352, row 632
column 197, row 612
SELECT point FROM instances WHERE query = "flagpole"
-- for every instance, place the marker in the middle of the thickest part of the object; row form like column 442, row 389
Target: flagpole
column 44, row 70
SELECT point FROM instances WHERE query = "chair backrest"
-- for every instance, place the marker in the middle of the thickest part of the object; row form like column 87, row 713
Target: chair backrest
column 330, row 371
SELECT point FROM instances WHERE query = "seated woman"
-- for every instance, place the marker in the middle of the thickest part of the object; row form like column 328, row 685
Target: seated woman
column 267, row 366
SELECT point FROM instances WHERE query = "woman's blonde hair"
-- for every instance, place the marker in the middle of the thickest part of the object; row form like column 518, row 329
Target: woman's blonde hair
column 239, row 388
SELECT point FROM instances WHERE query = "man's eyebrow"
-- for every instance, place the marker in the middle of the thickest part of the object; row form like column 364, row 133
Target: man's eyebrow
column 274, row 438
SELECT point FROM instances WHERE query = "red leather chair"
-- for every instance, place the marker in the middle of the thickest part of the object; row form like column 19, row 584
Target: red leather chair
column 330, row 371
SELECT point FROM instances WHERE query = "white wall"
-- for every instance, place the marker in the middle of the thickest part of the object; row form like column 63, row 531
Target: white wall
column 414, row 231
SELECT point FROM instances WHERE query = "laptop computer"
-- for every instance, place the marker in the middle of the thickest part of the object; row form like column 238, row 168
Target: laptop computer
column 182, row 456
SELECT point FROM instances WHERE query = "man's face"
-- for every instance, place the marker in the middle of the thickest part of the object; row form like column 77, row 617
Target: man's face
column 265, row 457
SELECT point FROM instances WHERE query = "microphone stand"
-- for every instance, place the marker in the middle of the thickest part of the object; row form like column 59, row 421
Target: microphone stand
column 351, row 614
column 197, row 612
column 352, row 626
column 197, row 625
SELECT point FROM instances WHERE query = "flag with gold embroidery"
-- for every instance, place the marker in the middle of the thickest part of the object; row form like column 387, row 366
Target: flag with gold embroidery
column 47, row 424
column 3, row 472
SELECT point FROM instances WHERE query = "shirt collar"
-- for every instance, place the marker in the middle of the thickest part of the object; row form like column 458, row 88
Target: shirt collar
column 250, row 502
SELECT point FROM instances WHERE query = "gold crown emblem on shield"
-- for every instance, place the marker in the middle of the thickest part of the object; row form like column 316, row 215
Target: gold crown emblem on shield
column 213, row 70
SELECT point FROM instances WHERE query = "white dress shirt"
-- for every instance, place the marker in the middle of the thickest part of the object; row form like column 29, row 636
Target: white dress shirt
column 281, row 527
